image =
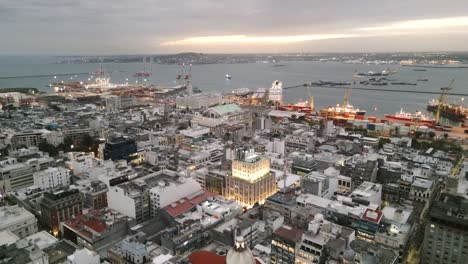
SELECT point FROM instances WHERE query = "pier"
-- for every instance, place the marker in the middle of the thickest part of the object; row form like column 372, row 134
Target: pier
column 372, row 89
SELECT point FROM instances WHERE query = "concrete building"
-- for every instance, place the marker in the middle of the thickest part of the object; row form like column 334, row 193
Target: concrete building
column 284, row 243
column 80, row 162
column 324, row 240
column 60, row 206
column 167, row 193
column 446, row 232
column 134, row 198
column 198, row 101
column 228, row 119
column 52, row 178
column 15, row 175
column 84, row 256
column 17, row 220
column 251, row 181
column 319, row 184
column 97, row 229
column 26, row 139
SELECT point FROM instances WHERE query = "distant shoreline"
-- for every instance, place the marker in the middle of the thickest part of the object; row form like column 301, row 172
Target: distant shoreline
column 435, row 66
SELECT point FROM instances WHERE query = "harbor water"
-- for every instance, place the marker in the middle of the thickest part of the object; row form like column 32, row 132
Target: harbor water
column 212, row 78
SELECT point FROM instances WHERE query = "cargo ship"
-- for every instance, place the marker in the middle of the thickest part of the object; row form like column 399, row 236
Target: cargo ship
column 450, row 111
column 417, row 116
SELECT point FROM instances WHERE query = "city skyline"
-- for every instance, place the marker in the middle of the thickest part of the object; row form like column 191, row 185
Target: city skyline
column 223, row 27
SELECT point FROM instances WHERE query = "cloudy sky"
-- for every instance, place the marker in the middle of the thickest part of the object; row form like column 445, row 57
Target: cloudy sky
column 219, row 26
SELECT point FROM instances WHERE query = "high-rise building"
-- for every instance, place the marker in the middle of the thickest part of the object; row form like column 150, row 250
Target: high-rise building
column 446, row 233
column 60, row 206
column 251, row 181
column 120, row 148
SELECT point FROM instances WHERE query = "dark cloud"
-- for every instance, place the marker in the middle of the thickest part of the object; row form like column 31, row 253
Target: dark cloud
column 105, row 26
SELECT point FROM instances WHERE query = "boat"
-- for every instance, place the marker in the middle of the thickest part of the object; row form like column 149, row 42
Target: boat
column 409, row 117
column 301, row 106
column 403, row 83
column 338, row 111
column 451, row 111
column 423, row 80
column 241, row 91
column 420, row 70
column 228, row 77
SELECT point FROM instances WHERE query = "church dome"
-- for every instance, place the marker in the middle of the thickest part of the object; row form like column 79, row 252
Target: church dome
column 240, row 253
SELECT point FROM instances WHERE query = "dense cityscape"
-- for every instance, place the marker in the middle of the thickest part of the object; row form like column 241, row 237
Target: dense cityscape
column 107, row 173
column 233, row 132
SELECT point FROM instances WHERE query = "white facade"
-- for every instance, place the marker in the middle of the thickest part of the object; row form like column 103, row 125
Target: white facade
column 168, row 193
column 84, row 256
column 120, row 200
column 80, row 162
column 18, row 220
column 199, row 101
column 52, row 177
column 275, row 146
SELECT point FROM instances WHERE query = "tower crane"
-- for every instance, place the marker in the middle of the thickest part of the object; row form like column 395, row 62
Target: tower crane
column 443, row 96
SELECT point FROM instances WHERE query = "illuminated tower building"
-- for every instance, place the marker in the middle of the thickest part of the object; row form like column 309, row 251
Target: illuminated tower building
column 251, row 181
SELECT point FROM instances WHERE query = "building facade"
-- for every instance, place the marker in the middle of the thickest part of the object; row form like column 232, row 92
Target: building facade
column 52, row 178
column 60, row 206
column 251, row 181
column 17, row 220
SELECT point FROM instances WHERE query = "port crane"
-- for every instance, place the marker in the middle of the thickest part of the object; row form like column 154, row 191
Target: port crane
column 347, row 94
column 145, row 74
column 443, row 96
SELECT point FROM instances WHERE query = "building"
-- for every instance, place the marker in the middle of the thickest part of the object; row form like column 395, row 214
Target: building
column 84, row 256
column 167, row 193
column 134, row 198
column 227, row 119
column 215, row 181
column 17, row 220
column 120, row 148
column 446, row 232
column 284, row 243
column 60, row 206
column 131, row 250
column 198, row 101
column 15, row 175
column 26, row 139
column 251, row 181
column 80, row 162
column 319, row 184
column 324, row 240
column 369, row 225
column 52, row 178
column 96, row 229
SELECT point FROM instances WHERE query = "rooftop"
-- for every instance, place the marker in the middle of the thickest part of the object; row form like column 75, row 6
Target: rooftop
column 226, row 109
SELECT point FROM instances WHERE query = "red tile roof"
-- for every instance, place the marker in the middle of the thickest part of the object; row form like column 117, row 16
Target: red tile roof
column 206, row 257
column 80, row 221
column 187, row 205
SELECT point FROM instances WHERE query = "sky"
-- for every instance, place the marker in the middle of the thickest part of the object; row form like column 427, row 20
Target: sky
column 88, row 27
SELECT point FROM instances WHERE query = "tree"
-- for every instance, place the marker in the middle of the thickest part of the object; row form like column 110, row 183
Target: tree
column 67, row 144
column 418, row 134
column 445, row 136
column 431, row 134
column 383, row 141
column 49, row 148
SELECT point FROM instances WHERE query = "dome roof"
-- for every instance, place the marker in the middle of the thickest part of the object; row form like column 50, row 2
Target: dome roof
column 240, row 253
column 349, row 255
